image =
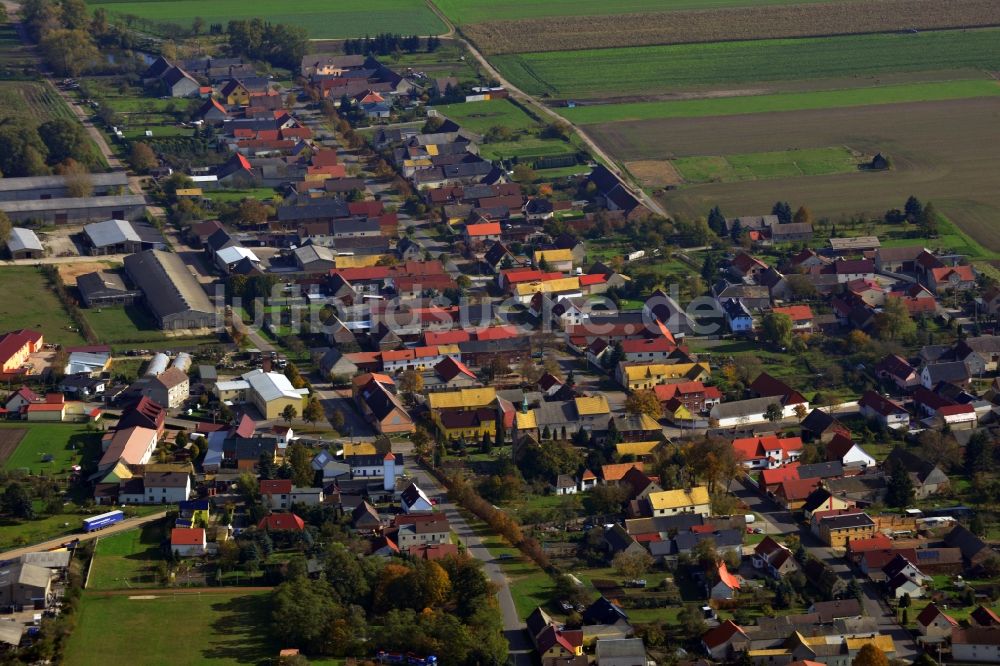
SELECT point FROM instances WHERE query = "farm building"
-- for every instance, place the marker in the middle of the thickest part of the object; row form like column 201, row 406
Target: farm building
column 170, row 291
column 37, row 188
column 24, row 244
column 102, row 289
column 79, row 210
column 121, row 237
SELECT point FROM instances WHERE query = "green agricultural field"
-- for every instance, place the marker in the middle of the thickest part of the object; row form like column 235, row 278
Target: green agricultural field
column 825, row 99
column 31, row 99
column 34, row 305
column 757, row 166
column 128, row 559
column 475, row 11
column 173, row 628
column 660, row 69
column 481, row 116
column 348, row 18
column 66, row 443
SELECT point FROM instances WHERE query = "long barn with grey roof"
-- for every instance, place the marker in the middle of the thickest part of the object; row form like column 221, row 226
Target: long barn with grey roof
column 79, row 210
column 35, row 188
column 171, row 292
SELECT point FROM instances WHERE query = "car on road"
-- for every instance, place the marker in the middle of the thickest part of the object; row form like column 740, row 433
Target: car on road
column 636, row 582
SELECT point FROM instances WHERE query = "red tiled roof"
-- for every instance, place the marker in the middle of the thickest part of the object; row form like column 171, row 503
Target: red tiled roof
column 795, row 312
column 187, row 536
column 484, row 229
column 275, row 486
column 789, row 472
column 281, row 521
column 729, row 579
column 721, row 634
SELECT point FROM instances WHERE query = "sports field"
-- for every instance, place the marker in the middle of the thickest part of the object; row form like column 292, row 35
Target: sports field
column 49, row 448
column 171, row 629
column 938, row 149
column 652, row 70
column 804, row 101
column 33, row 304
column 323, row 19
column 759, row 166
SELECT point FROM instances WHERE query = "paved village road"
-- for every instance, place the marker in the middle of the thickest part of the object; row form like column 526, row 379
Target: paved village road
column 514, row 628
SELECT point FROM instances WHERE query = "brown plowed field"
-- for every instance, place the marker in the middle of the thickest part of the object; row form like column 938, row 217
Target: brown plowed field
column 9, row 439
column 568, row 33
column 941, row 151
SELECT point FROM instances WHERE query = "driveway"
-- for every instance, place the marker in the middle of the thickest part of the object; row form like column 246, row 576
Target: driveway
column 355, row 425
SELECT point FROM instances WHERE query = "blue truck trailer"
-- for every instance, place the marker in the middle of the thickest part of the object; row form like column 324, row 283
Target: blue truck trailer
column 95, row 523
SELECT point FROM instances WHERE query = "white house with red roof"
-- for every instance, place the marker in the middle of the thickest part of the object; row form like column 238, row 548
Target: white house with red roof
column 801, row 316
column 767, row 452
column 880, row 408
column 188, row 541
column 725, row 641
column 935, row 623
column 20, row 399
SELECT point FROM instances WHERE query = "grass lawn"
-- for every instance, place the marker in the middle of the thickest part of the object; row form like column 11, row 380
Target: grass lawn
column 220, row 196
column 66, row 443
column 172, row 629
column 68, row 522
column 757, row 166
column 481, row 116
column 128, row 559
column 793, row 101
column 349, row 18
column 130, row 323
column 527, row 148
column 34, row 305
column 607, row 72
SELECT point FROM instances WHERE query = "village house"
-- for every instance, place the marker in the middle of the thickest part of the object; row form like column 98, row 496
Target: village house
column 671, row 502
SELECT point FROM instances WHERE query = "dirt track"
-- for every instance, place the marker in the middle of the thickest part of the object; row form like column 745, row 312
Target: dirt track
column 9, row 439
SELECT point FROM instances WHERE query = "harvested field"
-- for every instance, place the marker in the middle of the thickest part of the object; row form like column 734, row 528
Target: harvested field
column 936, row 157
column 648, row 70
column 567, row 33
column 654, row 173
column 9, row 439
column 464, row 12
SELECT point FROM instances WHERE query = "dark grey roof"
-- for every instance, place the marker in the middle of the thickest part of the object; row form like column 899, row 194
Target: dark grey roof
column 848, row 520
column 822, row 470
column 167, row 283
column 947, row 372
column 685, row 541
column 71, row 203
column 324, row 208
column 101, row 284
column 603, row 611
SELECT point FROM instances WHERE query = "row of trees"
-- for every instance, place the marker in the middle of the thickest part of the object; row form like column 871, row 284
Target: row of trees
column 386, row 43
